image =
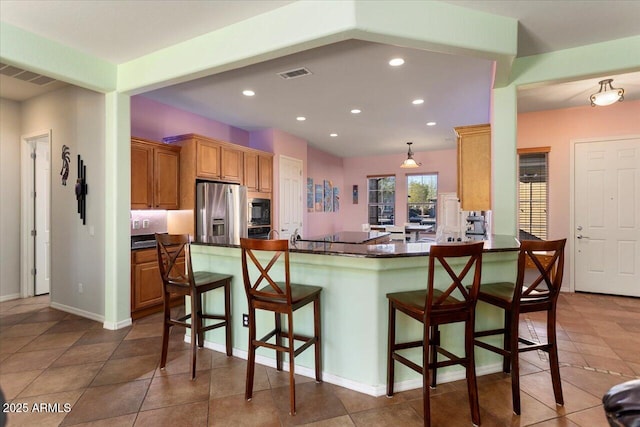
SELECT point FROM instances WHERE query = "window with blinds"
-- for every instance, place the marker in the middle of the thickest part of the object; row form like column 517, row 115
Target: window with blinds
column 533, row 189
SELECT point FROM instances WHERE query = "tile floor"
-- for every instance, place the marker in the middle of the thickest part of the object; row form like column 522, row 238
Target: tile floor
column 110, row 378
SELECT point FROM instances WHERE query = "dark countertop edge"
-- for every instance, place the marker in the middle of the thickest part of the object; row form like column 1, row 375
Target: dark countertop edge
column 506, row 244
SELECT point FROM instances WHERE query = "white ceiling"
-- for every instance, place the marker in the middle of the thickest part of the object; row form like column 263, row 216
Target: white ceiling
column 345, row 75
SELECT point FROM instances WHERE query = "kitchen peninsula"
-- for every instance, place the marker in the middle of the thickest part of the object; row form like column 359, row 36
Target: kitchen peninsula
column 352, row 237
column 355, row 279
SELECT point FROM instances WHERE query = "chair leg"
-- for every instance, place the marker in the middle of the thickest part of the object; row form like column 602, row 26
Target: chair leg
column 515, row 362
column 292, row 380
column 278, row 318
column 390, row 348
column 227, row 316
column 166, row 329
column 472, row 384
column 195, row 322
column 200, row 333
column 426, row 360
column 251, row 356
column 433, row 349
column 554, row 362
column 506, row 360
column 316, row 331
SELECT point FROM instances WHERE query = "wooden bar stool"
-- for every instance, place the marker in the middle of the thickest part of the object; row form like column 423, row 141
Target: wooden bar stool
column 433, row 307
column 280, row 298
column 184, row 281
column 525, row 296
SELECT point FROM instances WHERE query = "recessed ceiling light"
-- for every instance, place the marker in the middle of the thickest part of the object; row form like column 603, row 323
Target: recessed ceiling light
column 396, row 62
column 356, row 111
column 333, row 135
column 301, row 118
column 417, row 101
column 431, row 123
column 248, row 92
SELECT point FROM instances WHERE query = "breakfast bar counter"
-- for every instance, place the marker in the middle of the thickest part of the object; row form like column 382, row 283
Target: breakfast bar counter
column 354, row 309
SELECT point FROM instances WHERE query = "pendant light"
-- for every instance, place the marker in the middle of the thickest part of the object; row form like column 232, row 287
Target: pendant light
column 410, row 162
column 606, row 96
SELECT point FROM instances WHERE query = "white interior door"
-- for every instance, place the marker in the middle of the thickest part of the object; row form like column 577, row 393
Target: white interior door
column 607, row 216
column 291, row 186
column 42, row 202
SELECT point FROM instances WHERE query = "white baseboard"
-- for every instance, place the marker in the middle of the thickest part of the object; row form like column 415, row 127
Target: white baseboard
column 9, row 297
column 77, row 312
column 371, row 390
column 114, row 326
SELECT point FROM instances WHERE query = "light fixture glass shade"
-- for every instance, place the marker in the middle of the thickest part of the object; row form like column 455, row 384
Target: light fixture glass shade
column 606, row 96
column 410, row 162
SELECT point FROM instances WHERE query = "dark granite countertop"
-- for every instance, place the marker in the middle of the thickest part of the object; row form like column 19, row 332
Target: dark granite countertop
column 352, row 237
column 493, row 243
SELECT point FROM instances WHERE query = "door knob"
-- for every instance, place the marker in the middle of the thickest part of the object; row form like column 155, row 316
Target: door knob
column 579, row 228
column 580, row 237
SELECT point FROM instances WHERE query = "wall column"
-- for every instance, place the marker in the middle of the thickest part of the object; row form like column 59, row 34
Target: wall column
column 117, row 313
column 504, row 160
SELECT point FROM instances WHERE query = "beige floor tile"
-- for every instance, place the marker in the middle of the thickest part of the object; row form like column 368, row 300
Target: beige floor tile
column 540, row 387
column 44, row 410
column 177, row 390
column 98, row 403
column 31, row 360
column 121, row 421
column 26, row 329
column 139, row 347
column 595, row 383
column 14, row 344
column 556, row 422
column 90, row 353
column 231, row 380
column 593, row 417
column 47, row 341
column 67, row 378
column 193, row 414
column 343, row 421
column 179, row 362
column 402, row 414
column 236, row 411
column 144, row 330
column 13, row 383
column 127, row 369
column 314, row 402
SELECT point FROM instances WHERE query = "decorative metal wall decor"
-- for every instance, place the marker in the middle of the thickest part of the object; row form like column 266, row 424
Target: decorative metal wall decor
column 81, row 190
column 65, row 164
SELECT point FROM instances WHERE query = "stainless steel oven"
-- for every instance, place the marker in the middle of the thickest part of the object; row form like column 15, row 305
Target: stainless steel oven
column 259, row 212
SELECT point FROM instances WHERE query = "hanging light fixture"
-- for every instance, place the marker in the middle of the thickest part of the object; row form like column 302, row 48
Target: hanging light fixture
column 606, row 96
column 410, row 162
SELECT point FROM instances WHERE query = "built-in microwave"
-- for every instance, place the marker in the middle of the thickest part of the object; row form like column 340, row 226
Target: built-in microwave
column 259, row 211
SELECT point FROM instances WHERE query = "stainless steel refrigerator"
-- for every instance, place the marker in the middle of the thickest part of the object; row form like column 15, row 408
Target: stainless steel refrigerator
column 221, row 213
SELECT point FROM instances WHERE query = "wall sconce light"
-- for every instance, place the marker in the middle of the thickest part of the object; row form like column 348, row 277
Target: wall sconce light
column 606, row 96
column 410, row 162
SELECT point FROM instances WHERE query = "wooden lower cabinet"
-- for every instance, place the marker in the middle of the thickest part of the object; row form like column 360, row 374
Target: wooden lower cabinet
column 146, row 283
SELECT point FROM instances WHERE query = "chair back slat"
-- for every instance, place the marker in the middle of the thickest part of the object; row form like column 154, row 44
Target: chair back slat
column 170, row 247
column 442, row 255
column 273, row 290
column 548, row 259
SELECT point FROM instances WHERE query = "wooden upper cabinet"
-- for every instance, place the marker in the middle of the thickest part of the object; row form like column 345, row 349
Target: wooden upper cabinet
column 232, row 164
column 141, row 176
column 265, row 168
column 474, row 167
column 167, row 178
column 155, row 175
column 258, row 172
column 208, row 160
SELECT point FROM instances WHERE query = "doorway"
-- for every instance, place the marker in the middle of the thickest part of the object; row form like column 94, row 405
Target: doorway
column 290, row 207
column 606, row 220
column 36, row 214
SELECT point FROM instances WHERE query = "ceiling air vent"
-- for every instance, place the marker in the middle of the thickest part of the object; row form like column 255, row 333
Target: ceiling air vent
column 27, row 76
column 293, row 74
